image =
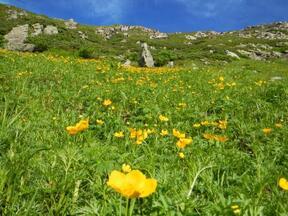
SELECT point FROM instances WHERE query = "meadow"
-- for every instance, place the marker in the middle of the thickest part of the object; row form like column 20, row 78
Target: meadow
column 214, row 138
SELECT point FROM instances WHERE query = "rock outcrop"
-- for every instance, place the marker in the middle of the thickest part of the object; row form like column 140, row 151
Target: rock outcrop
column 232, row 54
column 159, row 35
column 15, row 14
column 50, row 30
column 71, row 24
column 16, row 39
column 82, row 35
column 146, row 57
column 37, row 29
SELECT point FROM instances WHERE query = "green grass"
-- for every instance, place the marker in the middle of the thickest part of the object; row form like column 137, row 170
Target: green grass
column 42, row 167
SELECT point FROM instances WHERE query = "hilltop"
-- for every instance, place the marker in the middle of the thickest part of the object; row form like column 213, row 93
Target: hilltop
column 40, row 33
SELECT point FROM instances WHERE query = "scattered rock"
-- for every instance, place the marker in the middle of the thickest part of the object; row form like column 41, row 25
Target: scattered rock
column 51, row 30
column 231, row 54
column 159, row 35
column 146, row 57
column 82, row 35
column 276, row 78
column 14, row 14
column 37, row 29
column 127, row 63
column 70, row 24
column 190, row 37
column 170, row 64
column 16, row 39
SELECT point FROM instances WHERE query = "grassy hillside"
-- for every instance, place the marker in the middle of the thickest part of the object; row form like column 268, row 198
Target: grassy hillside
column 46, row 171
column 211, row 131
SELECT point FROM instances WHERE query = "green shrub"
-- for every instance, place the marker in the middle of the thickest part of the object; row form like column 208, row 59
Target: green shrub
column 86, row 53
column 163, row 57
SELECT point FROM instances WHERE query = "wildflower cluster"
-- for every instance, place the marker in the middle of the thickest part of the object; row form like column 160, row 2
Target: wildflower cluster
column 140, row 135
column 182, row 140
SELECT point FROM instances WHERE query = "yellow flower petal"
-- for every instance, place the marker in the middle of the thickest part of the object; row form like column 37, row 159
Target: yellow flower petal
column 148, row 188
column 283, row 183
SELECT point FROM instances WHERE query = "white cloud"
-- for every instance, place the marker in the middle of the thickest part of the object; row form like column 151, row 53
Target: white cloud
column 209, row 8
column 109, row 10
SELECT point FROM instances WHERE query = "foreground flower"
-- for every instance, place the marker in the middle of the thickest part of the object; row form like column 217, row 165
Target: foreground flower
column 119, row 134
column 283, row 183
column 126, row 168
column 163, row 118
column 133, row 184
column 80, row 126
column 267, row 131
column 183, row 142
column 107, row 102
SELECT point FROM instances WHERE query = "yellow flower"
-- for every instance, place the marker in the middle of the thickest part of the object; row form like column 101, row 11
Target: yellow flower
column 196, row 125
column 126, row 168
column 283, row 183
column 220, row 138
column 133, row 184
column 119, row 134
column 99, row 122
column 183, row 142
column 163, row 118
column 205, row 123
column 164, row 132
column 278, row 125
column 236, row 209
column 139, row 135
column 181, row 155
column 107, row 102
column 267, row 131
column 72, row 130
column 178, row 134
column 234, row 206
column 208, row 136
column 80, row 126
column 221, row 79
column 215, row 137
column 222, row 124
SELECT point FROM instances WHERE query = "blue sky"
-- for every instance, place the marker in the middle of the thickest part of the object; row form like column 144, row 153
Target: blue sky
column 165, row 15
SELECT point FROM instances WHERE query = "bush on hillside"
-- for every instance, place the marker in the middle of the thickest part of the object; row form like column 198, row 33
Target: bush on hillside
column 163, row 57
column 86, row 53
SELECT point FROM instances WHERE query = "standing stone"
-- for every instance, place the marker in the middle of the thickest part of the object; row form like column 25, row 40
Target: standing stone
column 50, row 30
column 16, row 39
column 146, row 57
